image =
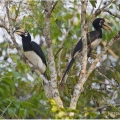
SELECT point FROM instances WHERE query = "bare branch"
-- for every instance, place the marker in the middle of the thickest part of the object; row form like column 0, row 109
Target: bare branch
column 74, row 98
column 17, row 13
column 51, row 62
column 47, row 87
column 98, row 11
column 83, row 36
column 106, row 78
column 111, row 13
column 3, row 26
column 14, row 41
column 110, row 50
column 100, row 4
column 116, row 105
column 107, row 4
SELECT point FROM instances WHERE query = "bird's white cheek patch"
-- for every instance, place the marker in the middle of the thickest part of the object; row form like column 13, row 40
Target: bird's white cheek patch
column 35, row 60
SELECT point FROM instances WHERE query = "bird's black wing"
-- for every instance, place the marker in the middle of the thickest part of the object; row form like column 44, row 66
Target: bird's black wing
column 36, row 48
column 77, row 48
column 92, row 36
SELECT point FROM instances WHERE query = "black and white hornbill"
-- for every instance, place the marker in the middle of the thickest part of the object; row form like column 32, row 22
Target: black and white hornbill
column 93, row 40
column 32, row 51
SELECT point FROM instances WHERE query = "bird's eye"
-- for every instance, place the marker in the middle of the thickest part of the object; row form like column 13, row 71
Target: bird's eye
column 101, row 22
column 26, row 34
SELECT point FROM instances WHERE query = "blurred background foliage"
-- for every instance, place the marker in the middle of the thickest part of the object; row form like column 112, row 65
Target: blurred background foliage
column 21, row 91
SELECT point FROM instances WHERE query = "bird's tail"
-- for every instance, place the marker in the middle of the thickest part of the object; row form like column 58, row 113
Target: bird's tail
column 64, row 78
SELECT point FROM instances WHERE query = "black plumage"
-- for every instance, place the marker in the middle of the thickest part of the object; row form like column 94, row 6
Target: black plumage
column 38, row 51
column 93, row 40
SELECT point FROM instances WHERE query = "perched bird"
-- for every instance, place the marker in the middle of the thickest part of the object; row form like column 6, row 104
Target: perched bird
column 32, row 51
column 93, row 40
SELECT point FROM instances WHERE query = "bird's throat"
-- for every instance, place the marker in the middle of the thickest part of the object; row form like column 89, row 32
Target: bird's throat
column 100, row 31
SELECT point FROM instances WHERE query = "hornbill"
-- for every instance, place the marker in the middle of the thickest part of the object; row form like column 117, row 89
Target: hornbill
column 93, row 40
column 32, row 51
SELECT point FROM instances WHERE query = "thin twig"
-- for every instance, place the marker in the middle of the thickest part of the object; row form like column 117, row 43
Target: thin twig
column 111, row 13
column 98, row 108
column 98, row 11
column 54, row 6
column 106, row 78
column 100, row 4
column 16, row 15
column 6, row 108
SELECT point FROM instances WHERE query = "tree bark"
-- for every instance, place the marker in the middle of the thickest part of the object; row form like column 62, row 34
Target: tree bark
column 76, row 92
column 51, row 62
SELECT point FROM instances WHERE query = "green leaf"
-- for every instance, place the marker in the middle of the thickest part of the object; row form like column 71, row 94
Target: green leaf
column 21, row 112
column 10, row 112
column 31, row 112
column 13, row 9
column 1, row 91
column 111, row 7
column 93, row 2
column 118, row 76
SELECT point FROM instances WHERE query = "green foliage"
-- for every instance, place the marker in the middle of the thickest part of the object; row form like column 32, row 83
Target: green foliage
column 23, row 98
column 20, row 97
column 93, row 2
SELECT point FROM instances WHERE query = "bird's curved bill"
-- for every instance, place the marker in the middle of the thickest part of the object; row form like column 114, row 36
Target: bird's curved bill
column 107, row 25
column 19, row 31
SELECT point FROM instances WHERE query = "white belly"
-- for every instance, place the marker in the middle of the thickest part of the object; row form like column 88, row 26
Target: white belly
column 95, row 43
column 35, row 60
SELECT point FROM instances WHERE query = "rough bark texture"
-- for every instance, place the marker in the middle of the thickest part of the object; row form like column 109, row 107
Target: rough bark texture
column 84, row 54
column 51, row 62
column 83, row 36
